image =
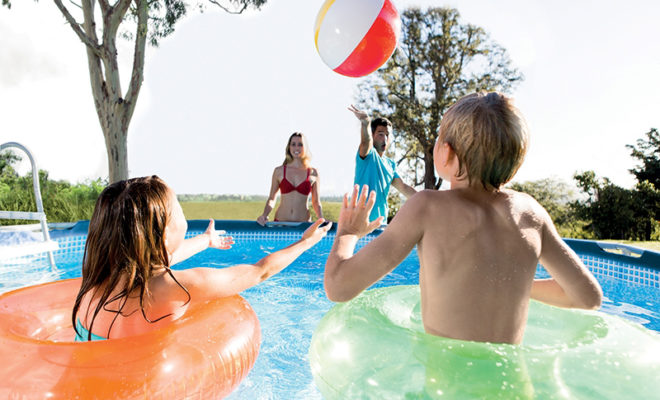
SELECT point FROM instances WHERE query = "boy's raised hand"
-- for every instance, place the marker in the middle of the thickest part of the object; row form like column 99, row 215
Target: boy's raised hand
column 354, row 215
column 217, row 240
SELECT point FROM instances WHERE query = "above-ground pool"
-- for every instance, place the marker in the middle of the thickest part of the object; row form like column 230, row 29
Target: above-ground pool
column 291, row 304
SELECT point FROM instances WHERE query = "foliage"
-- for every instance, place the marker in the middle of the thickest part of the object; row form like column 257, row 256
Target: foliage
column 7, row 160
column 62, row 201
column 394, row 203
column 648, row 153
column 439, row 59
column 618, row 213
column 138, row 21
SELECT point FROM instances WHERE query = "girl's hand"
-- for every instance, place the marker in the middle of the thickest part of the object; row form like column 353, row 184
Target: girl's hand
column 354, row 214
column 262, row 220
column 217, row 240
column 315, row 232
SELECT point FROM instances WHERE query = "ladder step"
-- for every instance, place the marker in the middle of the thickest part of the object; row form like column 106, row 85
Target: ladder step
column 39, row 216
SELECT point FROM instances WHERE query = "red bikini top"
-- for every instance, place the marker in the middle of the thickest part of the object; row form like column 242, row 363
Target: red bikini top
column 303, row 188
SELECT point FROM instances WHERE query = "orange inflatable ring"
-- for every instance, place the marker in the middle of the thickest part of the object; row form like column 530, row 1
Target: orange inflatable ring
column 204, row 354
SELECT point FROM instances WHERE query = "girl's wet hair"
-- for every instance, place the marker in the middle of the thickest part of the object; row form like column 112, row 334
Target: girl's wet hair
column 126, row 239
column 288, row 157
column 488, row 135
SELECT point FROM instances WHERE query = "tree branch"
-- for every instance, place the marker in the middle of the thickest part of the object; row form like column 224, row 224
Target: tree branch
column 118, row 12
column 138, row 58
column 75, row 4
column 89, row 42
column 227, row 10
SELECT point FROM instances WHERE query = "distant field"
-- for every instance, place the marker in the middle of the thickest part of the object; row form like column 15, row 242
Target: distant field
column 247, row 210
column 650, row 245
column 250, row 210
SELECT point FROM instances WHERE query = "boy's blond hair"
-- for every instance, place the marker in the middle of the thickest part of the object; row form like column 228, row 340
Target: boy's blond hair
column 489, row 137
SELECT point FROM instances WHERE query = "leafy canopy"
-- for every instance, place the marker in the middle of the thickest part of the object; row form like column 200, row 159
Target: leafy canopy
column 439, row 60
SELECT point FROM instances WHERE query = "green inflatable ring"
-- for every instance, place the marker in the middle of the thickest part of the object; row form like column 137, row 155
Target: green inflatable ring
column 375, row 347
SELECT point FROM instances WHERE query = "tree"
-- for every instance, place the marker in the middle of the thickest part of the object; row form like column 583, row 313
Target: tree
column 615, row 212
column 7, row 161
column 438, row 60
column 554, row 195
column 140, row 21
column 648, row 153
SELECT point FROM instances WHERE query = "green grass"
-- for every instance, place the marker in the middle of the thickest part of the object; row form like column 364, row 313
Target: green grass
column 648, row 245
column 246, row 210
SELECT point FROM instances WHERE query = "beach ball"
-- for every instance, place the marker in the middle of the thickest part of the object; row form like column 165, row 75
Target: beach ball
column 355, row 37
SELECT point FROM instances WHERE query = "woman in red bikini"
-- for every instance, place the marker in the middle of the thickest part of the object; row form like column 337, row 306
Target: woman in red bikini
column 295, row 179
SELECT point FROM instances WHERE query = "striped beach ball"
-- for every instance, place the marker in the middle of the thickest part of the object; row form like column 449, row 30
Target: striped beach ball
column 355, row 37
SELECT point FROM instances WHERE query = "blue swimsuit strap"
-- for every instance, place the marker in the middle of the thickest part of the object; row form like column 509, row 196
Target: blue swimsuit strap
column 83, row 333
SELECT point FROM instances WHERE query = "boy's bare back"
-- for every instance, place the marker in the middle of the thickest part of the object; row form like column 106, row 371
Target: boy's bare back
column 477, row 266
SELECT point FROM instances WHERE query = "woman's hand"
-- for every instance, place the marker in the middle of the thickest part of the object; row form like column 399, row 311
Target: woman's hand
column 316, row 232
column 262, row 220
column 354, row 214
column 217, row 240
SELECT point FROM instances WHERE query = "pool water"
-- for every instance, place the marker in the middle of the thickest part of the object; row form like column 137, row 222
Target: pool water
column 291, row 304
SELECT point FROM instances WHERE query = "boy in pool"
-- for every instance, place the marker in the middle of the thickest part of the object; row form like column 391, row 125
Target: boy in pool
column 478, row 243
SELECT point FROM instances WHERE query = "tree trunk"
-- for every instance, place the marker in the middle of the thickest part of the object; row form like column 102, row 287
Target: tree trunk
column 117, row 151
column 114, row 110
column 429, row 171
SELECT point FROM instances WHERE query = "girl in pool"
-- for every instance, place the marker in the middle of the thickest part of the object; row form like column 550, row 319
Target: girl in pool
column 296, row 180
column 135, row 235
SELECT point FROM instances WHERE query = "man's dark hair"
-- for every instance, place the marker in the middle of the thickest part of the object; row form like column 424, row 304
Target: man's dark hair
column 376, row 122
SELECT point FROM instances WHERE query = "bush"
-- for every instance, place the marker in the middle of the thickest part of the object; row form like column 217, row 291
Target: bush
column 62, row 201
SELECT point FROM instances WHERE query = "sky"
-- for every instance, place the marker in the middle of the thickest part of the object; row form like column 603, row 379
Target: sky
column 224, row 92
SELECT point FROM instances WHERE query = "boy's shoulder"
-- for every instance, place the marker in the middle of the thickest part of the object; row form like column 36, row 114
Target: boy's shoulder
column 523, row 199
column 451, row 200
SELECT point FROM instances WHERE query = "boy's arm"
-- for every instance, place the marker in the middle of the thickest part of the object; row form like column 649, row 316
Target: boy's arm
column 348, row 274
column 403, row 187
column 366, row 141
column 572, row 284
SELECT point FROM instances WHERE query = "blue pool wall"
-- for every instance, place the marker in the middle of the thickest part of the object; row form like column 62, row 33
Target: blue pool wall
column 641, row 268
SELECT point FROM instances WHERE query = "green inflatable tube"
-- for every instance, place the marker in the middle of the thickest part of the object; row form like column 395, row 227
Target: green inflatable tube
column 375, row 347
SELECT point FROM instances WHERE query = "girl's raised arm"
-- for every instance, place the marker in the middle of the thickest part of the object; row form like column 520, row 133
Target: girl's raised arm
column 213, row 283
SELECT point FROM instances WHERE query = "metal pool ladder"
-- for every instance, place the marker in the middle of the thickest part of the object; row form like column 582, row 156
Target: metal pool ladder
column 47, row 245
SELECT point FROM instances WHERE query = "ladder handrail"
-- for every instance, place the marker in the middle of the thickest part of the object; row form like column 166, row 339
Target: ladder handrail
column 35, row 172
column 41, row 215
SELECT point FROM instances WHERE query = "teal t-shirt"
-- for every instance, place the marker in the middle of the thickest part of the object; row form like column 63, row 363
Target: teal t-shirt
column 377, row 172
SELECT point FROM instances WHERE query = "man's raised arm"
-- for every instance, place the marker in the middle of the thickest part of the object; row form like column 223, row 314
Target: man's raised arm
column 366, row 141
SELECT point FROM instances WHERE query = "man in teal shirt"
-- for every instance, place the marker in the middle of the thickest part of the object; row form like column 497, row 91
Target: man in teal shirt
column 372, row 167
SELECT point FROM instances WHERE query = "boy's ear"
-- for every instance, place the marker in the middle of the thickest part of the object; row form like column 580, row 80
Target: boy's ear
column 448, row 153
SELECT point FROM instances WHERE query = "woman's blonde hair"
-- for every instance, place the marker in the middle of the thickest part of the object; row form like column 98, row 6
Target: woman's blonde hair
column 488, row 135
column 126, row 239
column 288, row 157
